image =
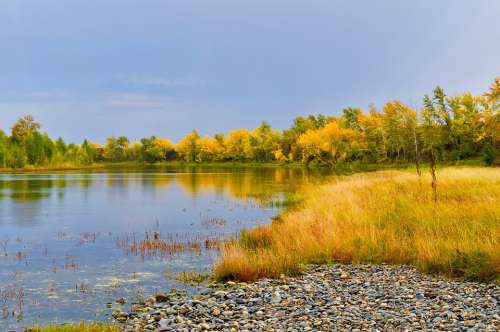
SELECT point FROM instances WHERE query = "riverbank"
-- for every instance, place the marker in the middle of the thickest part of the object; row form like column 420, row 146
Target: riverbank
column 329, row 297
column 381, row 217
column 32, row 169
column 341, row 167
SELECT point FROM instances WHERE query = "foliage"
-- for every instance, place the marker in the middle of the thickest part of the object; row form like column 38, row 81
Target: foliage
column 447, row 128
column 381, row 217
column 489, row 155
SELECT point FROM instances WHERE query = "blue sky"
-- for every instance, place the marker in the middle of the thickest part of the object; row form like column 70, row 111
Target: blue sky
column 137, row 68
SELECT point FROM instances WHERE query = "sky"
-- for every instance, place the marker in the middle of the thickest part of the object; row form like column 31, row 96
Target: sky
column 92, row 69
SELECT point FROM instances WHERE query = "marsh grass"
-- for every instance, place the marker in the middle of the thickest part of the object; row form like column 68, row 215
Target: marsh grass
column 193, row 277
column 156, row 244
column 381, row 217
column 76, row 327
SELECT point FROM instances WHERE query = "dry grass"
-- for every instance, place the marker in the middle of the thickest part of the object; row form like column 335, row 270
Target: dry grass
column 386, row 216
column 76, row 327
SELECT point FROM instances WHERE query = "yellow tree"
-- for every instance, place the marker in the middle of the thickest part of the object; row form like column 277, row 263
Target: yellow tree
column 210, row 149
column 188, row 147
column 330, row 144
column 238, row 145
column 164, row 147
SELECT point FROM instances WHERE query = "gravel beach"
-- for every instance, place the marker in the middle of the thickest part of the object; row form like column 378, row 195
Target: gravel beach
column 327, row 298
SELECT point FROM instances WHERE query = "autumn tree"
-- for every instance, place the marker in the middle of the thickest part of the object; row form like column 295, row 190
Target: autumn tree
column 188, row 148
column 115, row 148
column 24, row 127
column 239, row 145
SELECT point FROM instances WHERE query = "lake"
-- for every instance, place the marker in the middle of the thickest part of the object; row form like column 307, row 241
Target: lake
column 71, row 242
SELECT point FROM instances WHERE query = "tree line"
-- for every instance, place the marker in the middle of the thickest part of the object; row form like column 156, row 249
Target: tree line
column 446, row 128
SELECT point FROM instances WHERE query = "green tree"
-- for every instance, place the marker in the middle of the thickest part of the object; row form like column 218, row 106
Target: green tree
column 3, row 149
column 489, row 154
column 86, row 153
column 351, row 117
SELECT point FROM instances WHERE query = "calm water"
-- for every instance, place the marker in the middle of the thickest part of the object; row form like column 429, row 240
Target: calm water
column 67, row 239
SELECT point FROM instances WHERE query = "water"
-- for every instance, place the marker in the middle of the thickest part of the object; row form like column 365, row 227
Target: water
column 67, row 238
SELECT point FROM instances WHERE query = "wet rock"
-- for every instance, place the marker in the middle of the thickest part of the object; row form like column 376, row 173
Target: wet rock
column 161, row 297
column 121, row 301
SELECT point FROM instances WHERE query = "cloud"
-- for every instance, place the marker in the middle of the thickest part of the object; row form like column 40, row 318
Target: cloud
column 52, row 95
column 166, row 82
column 133, row 101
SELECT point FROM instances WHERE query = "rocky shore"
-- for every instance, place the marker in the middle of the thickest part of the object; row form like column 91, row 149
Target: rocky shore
column 327, row 298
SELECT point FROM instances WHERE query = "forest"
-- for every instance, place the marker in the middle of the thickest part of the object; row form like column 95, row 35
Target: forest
column 446, row 128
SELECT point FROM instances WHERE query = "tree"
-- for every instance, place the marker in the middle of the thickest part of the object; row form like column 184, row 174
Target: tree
column 211, row 149
column 238, row 145
column 34, row 147
column 330, row 144
column 489, row 154
column 116, row 148
column 351, row 117
column 188, row 147
column 399, row 123
column 3, row 149
column 493, row 95
column 465, row 130
column 373, row 127
column 265, row 142
column 24, row 127
column 86, row 153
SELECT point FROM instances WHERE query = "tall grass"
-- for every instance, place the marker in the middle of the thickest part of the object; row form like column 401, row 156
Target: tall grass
column 76, row 327
column 386, row 216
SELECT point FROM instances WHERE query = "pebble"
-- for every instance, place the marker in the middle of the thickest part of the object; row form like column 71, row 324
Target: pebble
column 327, row 298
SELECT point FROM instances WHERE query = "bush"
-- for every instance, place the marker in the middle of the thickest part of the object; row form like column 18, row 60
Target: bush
column 488, row 154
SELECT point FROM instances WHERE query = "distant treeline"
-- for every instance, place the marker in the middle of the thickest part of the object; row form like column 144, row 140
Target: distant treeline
column 447, row 128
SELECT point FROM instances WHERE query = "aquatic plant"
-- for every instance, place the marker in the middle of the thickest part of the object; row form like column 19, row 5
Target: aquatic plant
column 193, row 277
column 156, row 244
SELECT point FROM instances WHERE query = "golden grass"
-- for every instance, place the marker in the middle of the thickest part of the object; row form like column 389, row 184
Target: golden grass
column 386, row 216
column 76, row 327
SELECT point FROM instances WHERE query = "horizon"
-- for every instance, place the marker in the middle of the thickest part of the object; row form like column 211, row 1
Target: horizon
column 166, row 68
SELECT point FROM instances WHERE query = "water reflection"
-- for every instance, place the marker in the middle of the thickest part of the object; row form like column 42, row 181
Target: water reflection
column 65, row 233
column 238, row 183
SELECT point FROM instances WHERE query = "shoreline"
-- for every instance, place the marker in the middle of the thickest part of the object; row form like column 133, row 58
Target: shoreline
column 354, row 167
column 28, row 170
column 327, row 297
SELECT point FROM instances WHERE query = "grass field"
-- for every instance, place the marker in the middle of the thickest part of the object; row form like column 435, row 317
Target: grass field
column 385, row 216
